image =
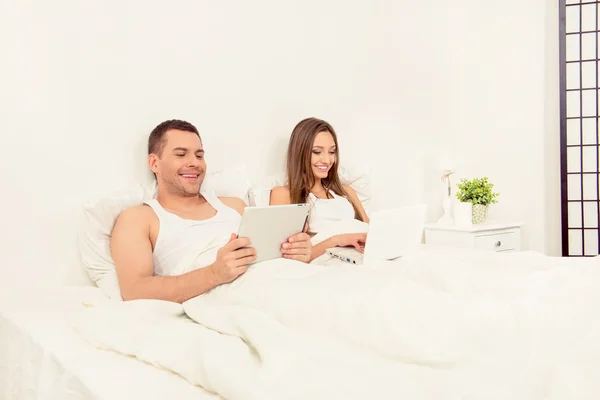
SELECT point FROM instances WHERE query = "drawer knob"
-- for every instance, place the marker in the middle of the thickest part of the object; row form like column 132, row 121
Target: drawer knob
column 498, row 243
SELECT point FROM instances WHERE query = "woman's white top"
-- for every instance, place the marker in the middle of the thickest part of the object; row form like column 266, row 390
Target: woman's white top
column 327, row 211
column 184, row 245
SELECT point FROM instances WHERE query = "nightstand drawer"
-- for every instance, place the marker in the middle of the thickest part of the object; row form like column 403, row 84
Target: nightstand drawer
column 497, row 242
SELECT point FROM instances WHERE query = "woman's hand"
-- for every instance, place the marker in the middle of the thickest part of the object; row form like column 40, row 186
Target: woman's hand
column 357, row 240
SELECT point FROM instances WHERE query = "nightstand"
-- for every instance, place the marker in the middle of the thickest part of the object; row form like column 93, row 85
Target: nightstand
column 494, row 236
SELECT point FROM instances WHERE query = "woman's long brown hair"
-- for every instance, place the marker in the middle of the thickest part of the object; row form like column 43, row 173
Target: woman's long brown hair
column 300, row 175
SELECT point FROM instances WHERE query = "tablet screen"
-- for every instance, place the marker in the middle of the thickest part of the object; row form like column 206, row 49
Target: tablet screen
column 269, row 227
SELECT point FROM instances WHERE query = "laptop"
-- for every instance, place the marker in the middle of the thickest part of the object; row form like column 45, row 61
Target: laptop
column 391, row 234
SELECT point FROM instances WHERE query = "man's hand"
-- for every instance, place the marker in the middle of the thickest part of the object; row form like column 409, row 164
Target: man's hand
column 232, row 259
column 357, row 240
column 298, row 247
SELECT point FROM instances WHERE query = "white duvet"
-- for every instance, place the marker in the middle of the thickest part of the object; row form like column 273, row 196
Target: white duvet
column 437, row 324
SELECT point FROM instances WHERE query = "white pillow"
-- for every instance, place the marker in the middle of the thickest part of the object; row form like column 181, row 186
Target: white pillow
column 100, row 217
column 260, row 193
column 231, row 182
column 359, row 178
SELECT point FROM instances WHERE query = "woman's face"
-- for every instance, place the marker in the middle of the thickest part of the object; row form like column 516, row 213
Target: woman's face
column 323, row 154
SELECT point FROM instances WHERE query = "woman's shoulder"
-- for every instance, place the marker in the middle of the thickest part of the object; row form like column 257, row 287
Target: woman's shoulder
column 281, row 190
column 349, row 190
column 280, row 195
column 351, row 193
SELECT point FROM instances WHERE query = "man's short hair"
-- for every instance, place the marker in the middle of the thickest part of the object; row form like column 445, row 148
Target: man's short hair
column 156, row 141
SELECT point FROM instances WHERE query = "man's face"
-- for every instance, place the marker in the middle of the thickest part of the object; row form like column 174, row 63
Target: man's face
column 180, row 168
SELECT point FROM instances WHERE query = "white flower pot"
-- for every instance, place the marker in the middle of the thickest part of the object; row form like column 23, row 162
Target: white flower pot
column 463, row 213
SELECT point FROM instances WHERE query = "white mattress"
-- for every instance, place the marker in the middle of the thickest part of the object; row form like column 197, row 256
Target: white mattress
column 42, row 357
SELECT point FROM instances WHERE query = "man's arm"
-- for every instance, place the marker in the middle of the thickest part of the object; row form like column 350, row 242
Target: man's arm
column 132, row 254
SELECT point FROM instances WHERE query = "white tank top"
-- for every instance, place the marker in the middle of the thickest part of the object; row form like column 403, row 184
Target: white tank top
column 184, row 245
column 326, row 211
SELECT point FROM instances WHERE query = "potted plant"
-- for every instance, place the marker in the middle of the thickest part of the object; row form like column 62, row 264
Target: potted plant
column 479, row 193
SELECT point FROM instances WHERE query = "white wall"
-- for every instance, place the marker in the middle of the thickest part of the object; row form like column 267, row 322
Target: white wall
column 504, row 111
column 83, row 83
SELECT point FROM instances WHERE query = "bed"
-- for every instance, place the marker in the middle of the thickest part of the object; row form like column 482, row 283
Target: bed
column 531, row 318
column 42, row 357
column 437, row 323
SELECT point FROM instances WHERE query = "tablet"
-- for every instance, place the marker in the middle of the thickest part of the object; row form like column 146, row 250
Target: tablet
column 269, row 227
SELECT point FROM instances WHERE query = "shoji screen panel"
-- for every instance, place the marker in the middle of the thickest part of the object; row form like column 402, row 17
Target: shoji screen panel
column 579, row 26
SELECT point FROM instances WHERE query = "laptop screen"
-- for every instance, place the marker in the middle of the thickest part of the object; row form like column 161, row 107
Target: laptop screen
column 393, row 232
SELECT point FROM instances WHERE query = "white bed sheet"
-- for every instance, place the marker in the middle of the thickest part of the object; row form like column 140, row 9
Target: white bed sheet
column 43, row 357
column 440, row 323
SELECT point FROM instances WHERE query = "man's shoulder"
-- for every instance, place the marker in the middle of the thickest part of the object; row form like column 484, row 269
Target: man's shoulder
column 140, row 214
column 234, row 202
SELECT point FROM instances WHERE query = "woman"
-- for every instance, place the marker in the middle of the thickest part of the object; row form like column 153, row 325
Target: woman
column 312, row 176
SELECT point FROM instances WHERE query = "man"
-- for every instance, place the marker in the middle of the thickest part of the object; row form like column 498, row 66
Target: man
column 183, row 243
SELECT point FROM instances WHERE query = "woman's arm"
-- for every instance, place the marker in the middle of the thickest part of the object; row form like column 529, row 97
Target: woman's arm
column 357, row 240
column 281, row 195
column 355, row 200
column 352, row 239
column 320, row 249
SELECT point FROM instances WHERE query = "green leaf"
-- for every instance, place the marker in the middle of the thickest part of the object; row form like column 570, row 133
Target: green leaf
column 476, row 191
